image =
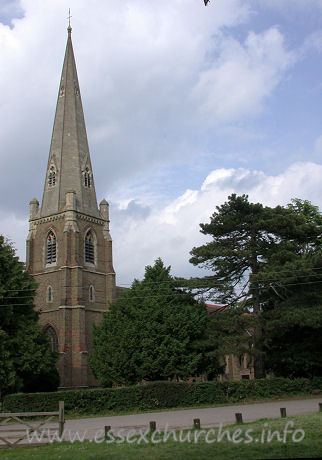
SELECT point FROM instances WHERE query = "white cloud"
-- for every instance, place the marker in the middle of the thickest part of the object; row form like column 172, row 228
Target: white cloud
column 242, row 76
column 159, row 81
column 141, row 234
column 169, row 214
column 312, row 42
column 150, row 74
column 172, row 231
column 215, row 176
column 16, row 230
column 289, row 6
column 318, row 146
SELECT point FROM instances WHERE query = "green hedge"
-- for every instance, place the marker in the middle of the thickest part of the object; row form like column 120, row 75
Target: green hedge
column 159, row 395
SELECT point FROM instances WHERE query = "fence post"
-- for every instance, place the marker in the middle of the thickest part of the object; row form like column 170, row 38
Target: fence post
column 239, row 417
column 106, row 430
column 153, row 426
column 196, row 423
column 283, row 412
column 61, row 417
column 320, row 407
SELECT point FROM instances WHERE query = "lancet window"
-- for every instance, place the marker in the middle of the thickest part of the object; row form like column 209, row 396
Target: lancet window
column 51, row 248
column 91, row 294
column 89, row 247
column 49, row 294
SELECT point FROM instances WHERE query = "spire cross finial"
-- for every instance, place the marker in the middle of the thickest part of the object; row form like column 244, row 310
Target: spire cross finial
column 69, row 16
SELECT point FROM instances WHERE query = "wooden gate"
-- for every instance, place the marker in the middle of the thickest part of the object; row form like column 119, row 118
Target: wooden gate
column 14, row 430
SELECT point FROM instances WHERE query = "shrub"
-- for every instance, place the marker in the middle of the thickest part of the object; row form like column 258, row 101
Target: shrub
column 159, row 395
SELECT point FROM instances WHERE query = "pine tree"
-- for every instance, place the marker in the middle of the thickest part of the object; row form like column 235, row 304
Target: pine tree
column 248, row 242
column 241, row 241
column 292, row 298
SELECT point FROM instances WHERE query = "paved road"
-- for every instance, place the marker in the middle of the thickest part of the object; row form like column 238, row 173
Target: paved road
column 209, row 417
column 88, row 428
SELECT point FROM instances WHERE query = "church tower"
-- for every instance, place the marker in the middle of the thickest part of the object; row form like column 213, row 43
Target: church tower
column 69, row 247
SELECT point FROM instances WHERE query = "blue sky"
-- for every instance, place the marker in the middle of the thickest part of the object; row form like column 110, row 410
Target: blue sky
column 184, row 105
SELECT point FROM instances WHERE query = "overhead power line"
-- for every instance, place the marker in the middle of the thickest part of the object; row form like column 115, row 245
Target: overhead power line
column 184, row 285
column 206, row 278
column 182, row 293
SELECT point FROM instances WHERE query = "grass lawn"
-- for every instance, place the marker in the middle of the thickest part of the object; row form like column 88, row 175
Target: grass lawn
column 309, row 446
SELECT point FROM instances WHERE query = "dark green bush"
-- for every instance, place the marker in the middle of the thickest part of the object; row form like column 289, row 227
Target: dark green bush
column 316, row 383
column 159, row 395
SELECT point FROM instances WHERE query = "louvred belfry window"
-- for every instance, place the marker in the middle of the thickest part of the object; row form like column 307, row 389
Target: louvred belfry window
column 89, row 248
column 87, row 178
column 52, row 177
column 51, row 249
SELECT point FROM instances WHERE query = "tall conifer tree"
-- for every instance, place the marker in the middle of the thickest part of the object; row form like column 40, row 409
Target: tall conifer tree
column 151, row 332
column 244, row 238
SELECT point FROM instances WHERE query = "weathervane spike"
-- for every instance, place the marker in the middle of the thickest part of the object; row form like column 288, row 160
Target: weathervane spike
column 69, row 16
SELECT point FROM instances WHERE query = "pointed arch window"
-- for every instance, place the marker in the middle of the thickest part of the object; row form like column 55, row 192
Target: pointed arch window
column 91, row 294
column 87, row 178
column 50, row 332
column 51, row 248
column 52, row 177
column 89, row 247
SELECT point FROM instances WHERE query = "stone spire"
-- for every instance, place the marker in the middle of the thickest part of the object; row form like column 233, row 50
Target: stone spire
column 69, row 165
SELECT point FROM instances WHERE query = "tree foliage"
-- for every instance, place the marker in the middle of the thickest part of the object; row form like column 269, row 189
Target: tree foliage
column 268, row 259
column 27, row 364
column 230, row 331
column 292, row 299
column 152, row 332
column 243, row 236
